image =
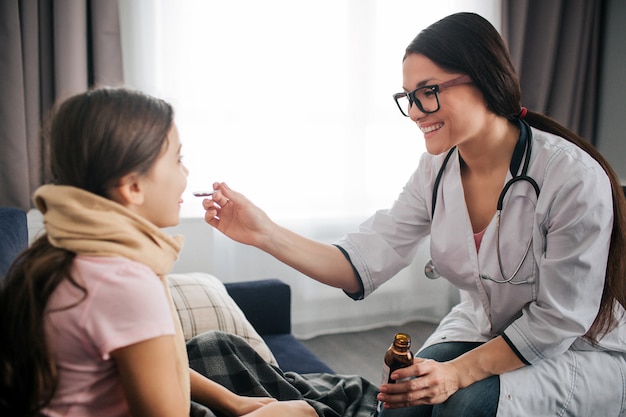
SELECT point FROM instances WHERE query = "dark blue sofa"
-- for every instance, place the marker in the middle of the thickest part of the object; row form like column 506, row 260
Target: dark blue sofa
column 266, row 303
column 13, row 236
column 267, row 306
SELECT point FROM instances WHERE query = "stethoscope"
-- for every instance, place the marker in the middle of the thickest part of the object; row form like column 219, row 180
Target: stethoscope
column 522, row 149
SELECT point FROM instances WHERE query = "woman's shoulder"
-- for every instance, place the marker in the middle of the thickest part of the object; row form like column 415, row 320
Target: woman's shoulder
column 555, row 149
column 561, row 167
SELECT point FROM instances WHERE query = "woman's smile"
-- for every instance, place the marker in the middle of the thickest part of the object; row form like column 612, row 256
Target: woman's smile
column 431, row 128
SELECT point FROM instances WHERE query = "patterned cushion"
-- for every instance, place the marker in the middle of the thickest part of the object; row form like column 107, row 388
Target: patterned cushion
column 204, row 304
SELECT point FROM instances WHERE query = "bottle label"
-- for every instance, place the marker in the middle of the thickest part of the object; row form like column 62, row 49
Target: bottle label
column 385, row 376
column 387, row 373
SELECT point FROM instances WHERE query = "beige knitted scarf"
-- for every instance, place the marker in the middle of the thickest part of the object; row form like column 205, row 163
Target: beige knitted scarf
column 87, row 224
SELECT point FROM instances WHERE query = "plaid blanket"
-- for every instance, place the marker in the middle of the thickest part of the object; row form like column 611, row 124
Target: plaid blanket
column 228, row 360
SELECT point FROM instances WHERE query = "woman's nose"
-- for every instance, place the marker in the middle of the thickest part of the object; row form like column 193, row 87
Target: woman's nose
column 415, row 113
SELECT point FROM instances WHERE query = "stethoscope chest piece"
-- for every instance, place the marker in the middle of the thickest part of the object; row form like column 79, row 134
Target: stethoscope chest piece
column 430, row 271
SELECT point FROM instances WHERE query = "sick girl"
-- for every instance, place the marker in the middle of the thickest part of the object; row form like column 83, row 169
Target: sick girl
column 87, row 322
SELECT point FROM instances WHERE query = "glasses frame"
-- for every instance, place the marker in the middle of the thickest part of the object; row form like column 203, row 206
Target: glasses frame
column 434, row 88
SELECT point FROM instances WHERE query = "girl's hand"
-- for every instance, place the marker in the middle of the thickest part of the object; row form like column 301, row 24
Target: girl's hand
column 220, row 399
column 246, row 405
column 296, row 408
column 234, row 215
column 432, row 383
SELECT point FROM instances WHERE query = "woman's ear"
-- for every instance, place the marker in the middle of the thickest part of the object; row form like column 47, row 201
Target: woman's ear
column 128, row 191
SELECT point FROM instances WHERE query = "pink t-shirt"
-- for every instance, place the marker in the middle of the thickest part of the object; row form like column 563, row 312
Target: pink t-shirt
column 126, row 304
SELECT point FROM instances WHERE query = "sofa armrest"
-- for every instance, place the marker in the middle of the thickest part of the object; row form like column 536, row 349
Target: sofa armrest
column 14, row 236
column 293, row 355
column 266, row 304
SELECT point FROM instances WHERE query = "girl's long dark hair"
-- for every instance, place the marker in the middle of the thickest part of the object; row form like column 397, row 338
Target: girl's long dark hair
column 94, row 139
column 466, row 43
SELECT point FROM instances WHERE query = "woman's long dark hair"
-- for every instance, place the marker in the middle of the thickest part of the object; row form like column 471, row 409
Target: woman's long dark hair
column 94, row 139
column 466, row 43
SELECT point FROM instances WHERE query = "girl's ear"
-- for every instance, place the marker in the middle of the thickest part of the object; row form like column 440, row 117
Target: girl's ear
column 129, row 191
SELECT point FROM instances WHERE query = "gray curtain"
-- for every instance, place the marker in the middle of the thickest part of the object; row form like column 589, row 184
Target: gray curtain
column 556, row 46
column 49, row 49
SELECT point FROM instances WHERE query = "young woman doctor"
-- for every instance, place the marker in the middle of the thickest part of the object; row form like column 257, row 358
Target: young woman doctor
column 524, row 217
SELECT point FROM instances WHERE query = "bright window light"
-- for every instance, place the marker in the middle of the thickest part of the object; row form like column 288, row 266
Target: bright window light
column 287, row 101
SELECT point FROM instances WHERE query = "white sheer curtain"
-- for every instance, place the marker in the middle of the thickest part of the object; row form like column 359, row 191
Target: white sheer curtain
column 290, row 103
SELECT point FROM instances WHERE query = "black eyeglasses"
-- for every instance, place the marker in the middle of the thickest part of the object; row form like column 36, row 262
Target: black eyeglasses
column 427, row 97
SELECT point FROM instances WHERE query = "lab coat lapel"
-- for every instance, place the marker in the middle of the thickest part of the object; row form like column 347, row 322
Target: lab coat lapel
column 451, row 238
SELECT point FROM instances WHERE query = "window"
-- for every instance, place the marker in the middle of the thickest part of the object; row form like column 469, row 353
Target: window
column 290, row 102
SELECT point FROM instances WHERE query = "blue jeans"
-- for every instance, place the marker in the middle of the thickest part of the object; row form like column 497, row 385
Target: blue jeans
column 478, row 400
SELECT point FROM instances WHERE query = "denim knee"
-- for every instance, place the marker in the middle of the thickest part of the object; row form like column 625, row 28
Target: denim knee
column 446, row 351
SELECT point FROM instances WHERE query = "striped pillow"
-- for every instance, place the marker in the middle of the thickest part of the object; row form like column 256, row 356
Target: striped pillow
column 204, row 304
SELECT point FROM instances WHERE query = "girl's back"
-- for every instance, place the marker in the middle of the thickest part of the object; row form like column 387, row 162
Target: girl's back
column 124, row 304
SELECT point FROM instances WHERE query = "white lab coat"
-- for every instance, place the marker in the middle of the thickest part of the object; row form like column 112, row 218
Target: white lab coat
column 544, row 318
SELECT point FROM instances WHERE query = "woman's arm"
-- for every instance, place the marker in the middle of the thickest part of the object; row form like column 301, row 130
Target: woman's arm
column 492, row 358
column 235, row 216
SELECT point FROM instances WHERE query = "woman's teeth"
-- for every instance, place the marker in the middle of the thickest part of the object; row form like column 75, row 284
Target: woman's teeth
column 431, row 128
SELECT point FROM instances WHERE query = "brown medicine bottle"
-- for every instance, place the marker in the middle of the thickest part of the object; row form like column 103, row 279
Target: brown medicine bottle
column 397, row 356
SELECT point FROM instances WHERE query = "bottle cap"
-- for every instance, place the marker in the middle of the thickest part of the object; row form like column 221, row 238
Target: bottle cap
column 402, row 339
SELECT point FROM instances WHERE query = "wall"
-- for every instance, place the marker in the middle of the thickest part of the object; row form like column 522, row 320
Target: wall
column 611, row 128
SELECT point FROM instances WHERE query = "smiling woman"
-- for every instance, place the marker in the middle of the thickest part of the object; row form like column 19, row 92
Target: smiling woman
column 288, row 101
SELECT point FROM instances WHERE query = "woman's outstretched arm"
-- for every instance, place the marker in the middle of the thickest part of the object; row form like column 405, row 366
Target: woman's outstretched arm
column 238, row 218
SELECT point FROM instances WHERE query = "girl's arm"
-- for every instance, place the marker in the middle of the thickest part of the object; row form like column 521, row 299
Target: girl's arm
column 149, row 376
column 149, row 380
column 218, row 398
